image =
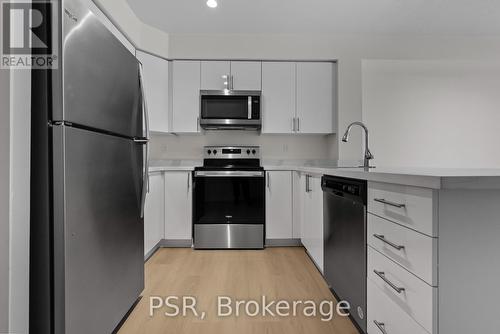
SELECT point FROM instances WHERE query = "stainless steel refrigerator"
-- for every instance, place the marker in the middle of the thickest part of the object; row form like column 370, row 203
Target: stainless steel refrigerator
column 88, row 180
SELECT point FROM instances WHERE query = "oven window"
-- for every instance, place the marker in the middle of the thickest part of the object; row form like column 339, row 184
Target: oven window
column 224, row 107
column 223, row 200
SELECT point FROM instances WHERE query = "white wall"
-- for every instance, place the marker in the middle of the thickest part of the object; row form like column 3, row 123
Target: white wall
column 272, row 146
column 19, row 217
column 143, row 36
column 433, row 113
column 4, row 198
column 349, row 50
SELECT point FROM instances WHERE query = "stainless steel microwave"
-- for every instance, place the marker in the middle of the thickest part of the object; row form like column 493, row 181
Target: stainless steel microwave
column 230, row 110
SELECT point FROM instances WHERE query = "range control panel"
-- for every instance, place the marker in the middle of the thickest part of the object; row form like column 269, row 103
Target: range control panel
column 231, row 152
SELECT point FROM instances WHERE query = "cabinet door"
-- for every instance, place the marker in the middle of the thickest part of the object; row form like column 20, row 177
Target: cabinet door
column 315, row 91
column 278, row 97
column 154, row 212
column 178, row 204
column 297, row 205
column 316, row 212
column 156, row 84
column 312, row 219
column 279, row 205
column 212, row 73
column 306, row 198
column 185, row 96
column 246, row 75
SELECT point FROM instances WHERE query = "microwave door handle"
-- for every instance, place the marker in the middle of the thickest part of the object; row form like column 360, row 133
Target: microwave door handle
column 249, row 107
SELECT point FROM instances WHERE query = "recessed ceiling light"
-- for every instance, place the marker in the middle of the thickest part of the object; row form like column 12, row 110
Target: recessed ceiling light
column 212, row 3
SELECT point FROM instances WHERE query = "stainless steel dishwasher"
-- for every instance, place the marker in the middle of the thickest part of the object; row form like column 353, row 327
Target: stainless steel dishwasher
column 344, row 213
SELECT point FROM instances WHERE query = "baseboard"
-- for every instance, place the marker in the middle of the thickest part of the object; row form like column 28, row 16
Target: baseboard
column 152, row 251
column 283, row 242
column 181, row 243
column 188, row 243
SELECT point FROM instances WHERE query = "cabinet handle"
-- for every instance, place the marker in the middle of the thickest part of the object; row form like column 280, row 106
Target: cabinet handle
column 293, row 124
column 380, row 326
column 307, row 183
column 384, row 201
column 383, row 239
column 232, row 82
column 381, row 274
column 188, row 182
column 298, row 124
column 198, row 124
column 249, row 111
column 268, row 181
column 227, row 83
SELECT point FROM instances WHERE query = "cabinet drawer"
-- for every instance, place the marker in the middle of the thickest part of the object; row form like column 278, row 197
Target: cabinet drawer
column 418, row 299
column 417, row 252
column 391, row 318
column 413, row 207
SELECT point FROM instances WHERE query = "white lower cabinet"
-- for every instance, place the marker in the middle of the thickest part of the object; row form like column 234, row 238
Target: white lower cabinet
column 386, row 317
column 279, row 205
column 415, row 297
column 178, row 205
column 312, row 218
column 154, row 212
column 297, row 205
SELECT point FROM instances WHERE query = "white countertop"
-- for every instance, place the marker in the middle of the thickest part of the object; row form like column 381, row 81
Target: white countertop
column 173, row 165
column 436, row 178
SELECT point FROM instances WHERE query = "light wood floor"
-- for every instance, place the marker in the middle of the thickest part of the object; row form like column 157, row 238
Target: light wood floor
column 278, row 273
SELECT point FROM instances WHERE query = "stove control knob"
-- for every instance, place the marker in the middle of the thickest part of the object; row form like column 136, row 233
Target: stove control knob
column 215, row 151
column 209, row 151
column 254, row 151
column 248, row 151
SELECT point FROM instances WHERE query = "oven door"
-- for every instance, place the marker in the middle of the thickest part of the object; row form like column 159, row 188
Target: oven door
column 229, row 209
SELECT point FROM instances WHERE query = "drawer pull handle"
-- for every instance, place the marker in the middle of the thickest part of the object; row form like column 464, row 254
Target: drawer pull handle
column 384, row 201
column 381, row 274
column 380, row 325
column 392, row 244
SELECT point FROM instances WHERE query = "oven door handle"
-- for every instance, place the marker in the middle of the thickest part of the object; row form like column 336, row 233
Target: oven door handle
column 229, row 173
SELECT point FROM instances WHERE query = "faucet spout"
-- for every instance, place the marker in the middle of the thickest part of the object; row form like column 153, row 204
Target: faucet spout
column 368, row 155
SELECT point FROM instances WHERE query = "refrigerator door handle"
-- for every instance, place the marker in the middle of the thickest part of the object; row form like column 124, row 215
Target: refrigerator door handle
column 145, row 141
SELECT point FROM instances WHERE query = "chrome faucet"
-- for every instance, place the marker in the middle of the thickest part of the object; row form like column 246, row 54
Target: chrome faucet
column 368, row 154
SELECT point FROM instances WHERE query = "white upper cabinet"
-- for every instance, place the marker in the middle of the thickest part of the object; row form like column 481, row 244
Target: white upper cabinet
column 212, row 72
column 315, row 92
column 178, row 205
column 185, row 96
column 297, row 97
column 156, row 84
column 239, row 75
column 278, row 97
column 246, row 75
column 279, row 205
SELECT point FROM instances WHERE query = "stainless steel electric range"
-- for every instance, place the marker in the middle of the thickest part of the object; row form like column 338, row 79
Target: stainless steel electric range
column 229, row 199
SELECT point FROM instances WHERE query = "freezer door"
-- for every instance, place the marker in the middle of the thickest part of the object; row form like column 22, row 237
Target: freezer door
column 99, row 235
column 100, row 76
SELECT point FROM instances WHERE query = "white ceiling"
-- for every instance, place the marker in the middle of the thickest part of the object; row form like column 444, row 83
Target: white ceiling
column 460, row 17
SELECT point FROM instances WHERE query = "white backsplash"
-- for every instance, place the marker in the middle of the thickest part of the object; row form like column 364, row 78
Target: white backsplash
column 189, row 146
